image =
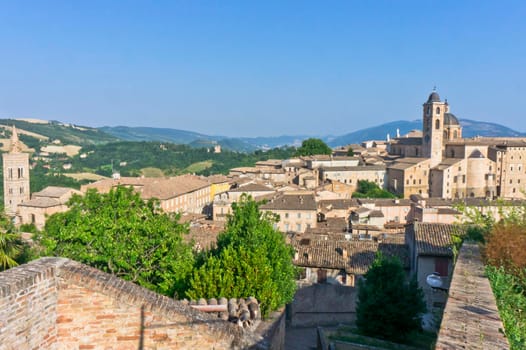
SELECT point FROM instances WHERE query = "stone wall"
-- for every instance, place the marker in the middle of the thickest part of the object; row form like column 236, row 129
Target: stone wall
column 323, row 304
column 471, row 319
column 56, row 303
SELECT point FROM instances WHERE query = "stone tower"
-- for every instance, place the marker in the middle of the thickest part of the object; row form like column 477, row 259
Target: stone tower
column 16, row 176
column 433, row 128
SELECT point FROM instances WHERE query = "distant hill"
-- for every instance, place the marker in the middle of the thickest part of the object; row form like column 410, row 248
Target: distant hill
column 84, row 136
column 470, row 128
column 66, row 133
column 157, row 134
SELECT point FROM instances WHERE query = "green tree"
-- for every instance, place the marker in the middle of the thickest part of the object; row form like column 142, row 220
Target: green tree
column 122, row 234
column 350, row 152
column 312, row 147
column 11, row 246
column 251, row 259
column 388, row 306
column 369, row 189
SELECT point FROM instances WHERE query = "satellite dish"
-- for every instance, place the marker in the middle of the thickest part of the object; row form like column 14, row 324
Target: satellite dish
column 434, row 280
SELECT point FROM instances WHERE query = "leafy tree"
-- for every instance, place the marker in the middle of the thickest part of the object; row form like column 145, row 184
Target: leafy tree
column 312, row 147
column 11, row 246
column 251, row 259
column 350, row 152
column 369, row 189
column 388, row 306
column 122, row 234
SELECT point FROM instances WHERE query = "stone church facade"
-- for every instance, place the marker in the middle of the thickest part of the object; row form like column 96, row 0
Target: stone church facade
column 441, row 163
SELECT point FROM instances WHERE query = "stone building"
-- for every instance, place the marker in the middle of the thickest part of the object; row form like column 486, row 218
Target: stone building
column 352, row 174
column 297, row 211
column 42, row 204
column 441, row 163
column 16, row 177
column 188, row 194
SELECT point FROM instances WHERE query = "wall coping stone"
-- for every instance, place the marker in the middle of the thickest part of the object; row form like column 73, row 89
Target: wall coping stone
column 471, row 319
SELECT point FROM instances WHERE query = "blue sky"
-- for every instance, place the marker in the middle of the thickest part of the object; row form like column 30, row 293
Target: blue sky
column 261, row 68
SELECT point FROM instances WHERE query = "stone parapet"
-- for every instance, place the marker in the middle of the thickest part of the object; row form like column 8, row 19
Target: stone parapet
column 471, row 318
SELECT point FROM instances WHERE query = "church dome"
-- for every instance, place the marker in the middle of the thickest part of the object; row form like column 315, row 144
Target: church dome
column 450, row 119
column 433, row 97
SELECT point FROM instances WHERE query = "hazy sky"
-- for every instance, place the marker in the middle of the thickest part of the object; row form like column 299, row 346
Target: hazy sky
column 247, row 68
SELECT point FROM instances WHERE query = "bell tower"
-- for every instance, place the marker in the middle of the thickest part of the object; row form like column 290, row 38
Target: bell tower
column 433, row 128
column 16, row 176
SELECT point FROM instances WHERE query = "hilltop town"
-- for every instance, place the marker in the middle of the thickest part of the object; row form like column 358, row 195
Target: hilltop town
column 428, row 176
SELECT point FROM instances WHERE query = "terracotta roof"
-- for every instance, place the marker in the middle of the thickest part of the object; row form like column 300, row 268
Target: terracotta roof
column 54, row 192
column 410, row 141
column 148, row 187
column 41, row 202
column 354, row 168
column 406, row 163
column 291, row 202
column 376, row 214
column 330, row 254
column 385, row 202
column 217, row 179
column 337, row 203
column 434, row 239
column 252, row 187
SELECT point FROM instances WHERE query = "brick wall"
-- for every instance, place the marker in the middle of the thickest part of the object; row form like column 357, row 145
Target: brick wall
column 28, row 300
column 56, row 303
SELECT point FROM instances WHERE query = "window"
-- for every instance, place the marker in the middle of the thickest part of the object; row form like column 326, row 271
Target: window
column 20, row 173
column 10, row 173
column 437, row 124
column 299, row 215
column 463, row 179
column 21, row 190
column 298, row 227
column 438, row 111
column 287, row 227
column 308, row 215
column 286, row 215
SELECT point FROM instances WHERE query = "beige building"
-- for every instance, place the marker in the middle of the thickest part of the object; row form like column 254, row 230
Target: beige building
column 186, row 194
column 350, row 175
column 47, row 202
column 297, row 211
column 409, row 176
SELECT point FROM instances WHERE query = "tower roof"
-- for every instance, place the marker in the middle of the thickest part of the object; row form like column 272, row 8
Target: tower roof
column 450, row 119
column 15, row 143
column 433, row 97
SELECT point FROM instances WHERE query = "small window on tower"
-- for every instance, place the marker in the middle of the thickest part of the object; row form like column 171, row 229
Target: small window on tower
column 437, row 124
column 438, row 110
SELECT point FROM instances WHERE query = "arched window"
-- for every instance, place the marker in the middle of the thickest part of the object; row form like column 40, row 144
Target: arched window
column 428, row 111
column 438, row 110
column 437, row 124
column 455, row 134
column 446, row 137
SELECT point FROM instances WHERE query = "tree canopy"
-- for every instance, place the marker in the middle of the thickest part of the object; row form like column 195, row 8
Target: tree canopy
column 313, row 146
column 251, row 259
column 11, row 246
column 369, row 189
column 350, row 152
column 388, row 306
column 122, row 234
